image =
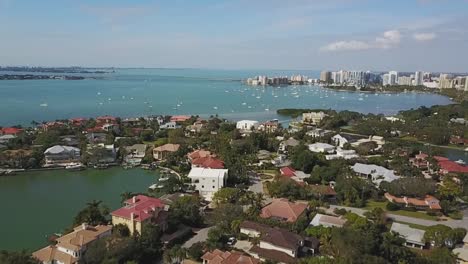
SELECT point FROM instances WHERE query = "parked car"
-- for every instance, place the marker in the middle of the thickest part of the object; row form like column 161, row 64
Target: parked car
column 231, row 241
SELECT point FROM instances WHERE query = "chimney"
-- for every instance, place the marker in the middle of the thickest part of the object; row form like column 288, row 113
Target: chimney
column 84, row 226
column 132, row 216
column 134, row 199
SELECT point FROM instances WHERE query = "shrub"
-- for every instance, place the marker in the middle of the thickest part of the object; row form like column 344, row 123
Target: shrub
column 392, row 207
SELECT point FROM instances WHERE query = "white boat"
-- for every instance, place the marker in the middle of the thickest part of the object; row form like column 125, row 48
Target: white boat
column 43, row 105
column 215, row 107
column 75, row 167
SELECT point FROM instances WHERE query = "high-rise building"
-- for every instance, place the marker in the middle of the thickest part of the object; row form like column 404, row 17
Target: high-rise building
column 386, row 79
column 325, row 76
column 446, row 82
column 418, row 78
column 466, row 84
column 393, row 77
column 405, row 80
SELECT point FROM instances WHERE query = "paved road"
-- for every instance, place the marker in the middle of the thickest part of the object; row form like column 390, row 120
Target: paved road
column 450, row 223
column 201, row 236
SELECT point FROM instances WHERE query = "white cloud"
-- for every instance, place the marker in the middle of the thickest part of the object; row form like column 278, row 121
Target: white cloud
column 424, row 36
column 346, row 45
column 389, row 39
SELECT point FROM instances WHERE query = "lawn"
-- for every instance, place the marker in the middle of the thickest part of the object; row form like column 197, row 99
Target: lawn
column 413, row 225
column 421, row 215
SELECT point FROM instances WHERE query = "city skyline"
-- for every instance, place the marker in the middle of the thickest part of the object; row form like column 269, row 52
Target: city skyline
column 418, row 35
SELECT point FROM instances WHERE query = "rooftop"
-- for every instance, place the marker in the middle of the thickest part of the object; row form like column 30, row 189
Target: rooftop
column 283, row 209
column 141, row 207
column 167, row 147
column 412, row 235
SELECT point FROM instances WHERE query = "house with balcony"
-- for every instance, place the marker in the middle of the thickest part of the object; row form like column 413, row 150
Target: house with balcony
column 61, row 155
column 208, row 181
column 140, row 211
column 71, row 247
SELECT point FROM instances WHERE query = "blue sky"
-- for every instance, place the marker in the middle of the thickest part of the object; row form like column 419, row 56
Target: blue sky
column 405, row 35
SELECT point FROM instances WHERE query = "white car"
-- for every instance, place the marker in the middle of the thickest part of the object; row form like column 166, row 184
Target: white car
column 231, row 241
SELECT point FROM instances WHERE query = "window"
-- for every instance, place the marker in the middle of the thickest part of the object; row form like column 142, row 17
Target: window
column 203, row 186
column 213, row 187
column 213, row 180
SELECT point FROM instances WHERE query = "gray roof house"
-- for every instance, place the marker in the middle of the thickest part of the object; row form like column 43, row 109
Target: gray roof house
column 375, row 173
column 61, row 155
column 413, row 237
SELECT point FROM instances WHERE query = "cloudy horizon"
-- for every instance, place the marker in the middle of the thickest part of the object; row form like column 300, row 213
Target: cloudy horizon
column 426, row 35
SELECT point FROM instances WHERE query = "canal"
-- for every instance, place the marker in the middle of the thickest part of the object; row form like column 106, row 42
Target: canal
column 37, row 204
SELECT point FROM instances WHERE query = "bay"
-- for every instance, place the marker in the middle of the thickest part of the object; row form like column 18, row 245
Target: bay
column 40, row 203
column 141, row 92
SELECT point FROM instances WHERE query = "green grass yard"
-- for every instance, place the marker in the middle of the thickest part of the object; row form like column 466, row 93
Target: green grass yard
column 421, row 215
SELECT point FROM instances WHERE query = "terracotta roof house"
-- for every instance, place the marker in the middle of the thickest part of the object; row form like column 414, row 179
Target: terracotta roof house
column 209, row 163
column 52, row 125
column 199, row 153
column 139, row 211
column 288, row 172
column 179, row 118
column 429, row 202
column 284, row 210
column 77, row 121
column 10, row 131
column 70, row 247
column 234, row 257
column 448, row 166
column 161, row 153
column 106, row 119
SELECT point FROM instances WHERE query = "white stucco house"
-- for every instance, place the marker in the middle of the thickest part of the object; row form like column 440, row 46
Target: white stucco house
column 208, row 181
column 321, row 148
column 247, row 125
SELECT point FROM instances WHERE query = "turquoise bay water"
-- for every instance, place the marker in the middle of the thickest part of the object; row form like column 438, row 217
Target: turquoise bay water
column 137, row 92
column 37, row 204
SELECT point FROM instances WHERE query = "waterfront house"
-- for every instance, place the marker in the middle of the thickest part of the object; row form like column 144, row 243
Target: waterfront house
column 208, row 181
column 283, row 210
column 247, row 125
column 135, row 153
column 106, row 119
column 199, row 153
column 179, row 118
column 70, row 248
column 269, row 127
column 161, row 152
column 321, row 148
column 413, row 237
column 429, row 202
column 208, row 162
column 327, row 221
column 70, row 140
column 313, row 118
column 225, row 257
column 101, row 153
column 375, row 173
column 61, row 155
column 448, row 166
column 140, row 211
column 10, row 131
column 77, row 121
column 170, row 125
column 52, row 125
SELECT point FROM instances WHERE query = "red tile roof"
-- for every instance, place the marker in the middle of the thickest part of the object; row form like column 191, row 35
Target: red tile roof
column 199, row 153
column 10, row 131
column 283, row 209
column 451, row 166
column 179, row 118
column 142, row 207
column 428, row 201
column 288, row 172
column 211, row 163
column 234, row 257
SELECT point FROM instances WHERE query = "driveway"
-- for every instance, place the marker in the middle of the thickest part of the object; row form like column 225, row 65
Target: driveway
column 400, row 218
column 243, row 245
column 200, row 236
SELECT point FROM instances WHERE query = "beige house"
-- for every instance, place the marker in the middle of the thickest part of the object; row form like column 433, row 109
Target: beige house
column 161, row 152
column 70, row 247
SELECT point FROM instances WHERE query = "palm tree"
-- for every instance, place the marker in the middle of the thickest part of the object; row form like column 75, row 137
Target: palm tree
column 125, row 196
